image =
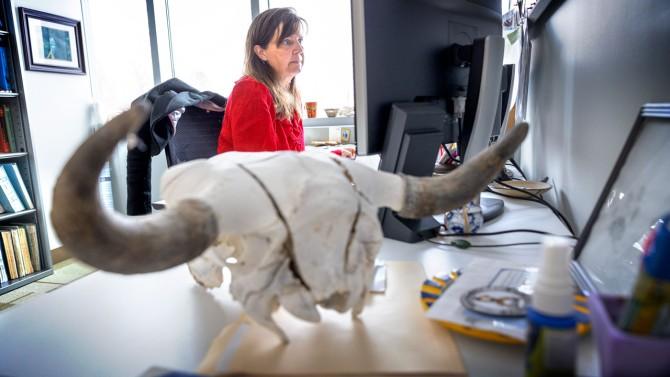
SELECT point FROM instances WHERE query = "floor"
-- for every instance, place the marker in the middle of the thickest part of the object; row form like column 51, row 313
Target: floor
column 65, row 272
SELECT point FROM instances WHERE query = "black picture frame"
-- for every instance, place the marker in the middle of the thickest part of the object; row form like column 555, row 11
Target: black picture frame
column 64, row 50
column 658, row 115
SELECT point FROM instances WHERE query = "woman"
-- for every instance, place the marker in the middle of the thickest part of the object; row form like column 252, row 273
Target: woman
column 263, row 110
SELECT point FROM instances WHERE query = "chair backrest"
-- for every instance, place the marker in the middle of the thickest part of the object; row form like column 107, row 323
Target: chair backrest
column 196, row 136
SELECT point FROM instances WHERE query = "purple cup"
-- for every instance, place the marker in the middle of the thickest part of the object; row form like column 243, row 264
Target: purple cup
column 622, row 353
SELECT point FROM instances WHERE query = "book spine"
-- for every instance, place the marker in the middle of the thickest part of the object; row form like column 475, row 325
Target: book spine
column 25, row 250
column 16, row 249
column 8, row 196
column 12, row 170
column 3, row 270
column 34, row 245
column 4, row 71
column 18, row 255
column 9, row 127
column 9, row 254
column 4, row 141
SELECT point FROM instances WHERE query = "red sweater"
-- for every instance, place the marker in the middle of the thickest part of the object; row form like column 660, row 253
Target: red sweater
column 251, row 125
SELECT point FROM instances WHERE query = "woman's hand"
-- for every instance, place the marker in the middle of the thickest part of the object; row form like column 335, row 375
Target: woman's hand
column 347, row 152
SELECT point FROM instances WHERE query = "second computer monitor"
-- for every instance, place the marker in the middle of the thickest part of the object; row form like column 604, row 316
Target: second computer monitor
column 413, row 137
column 483, row 96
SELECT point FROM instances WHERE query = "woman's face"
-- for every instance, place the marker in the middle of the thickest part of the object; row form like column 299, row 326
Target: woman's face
column 285, row 56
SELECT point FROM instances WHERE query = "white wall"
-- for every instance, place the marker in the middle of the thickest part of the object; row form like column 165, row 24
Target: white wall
column 594, row 64
column 57, row 105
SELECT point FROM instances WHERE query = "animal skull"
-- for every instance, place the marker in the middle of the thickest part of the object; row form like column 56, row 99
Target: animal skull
column 295, row 229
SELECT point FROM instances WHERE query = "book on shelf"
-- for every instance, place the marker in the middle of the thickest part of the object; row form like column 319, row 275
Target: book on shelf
column 20, row 246
column 23, row 265
column 34, row 246
column 7, row 121
column 8, row 251
column 9, row 198
column 29, row 245
column 12, row 170
column 5, row 85
column 5, row 146
column 16, row 249
column 3, row 269
column 25, row 249
column 20, row 250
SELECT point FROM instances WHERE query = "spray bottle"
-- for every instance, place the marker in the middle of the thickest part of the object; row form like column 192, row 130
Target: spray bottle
column 552, row 336
column 648, row 310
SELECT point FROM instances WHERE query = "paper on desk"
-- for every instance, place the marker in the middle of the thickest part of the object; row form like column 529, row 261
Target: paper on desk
column 481, row 273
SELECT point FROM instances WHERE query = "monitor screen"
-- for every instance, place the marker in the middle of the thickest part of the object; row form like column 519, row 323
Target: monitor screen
column 399, row 54
column 482, row 103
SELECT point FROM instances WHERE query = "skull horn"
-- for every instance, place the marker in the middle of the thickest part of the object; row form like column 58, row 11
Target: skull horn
column 425, row 196
column 114, row 242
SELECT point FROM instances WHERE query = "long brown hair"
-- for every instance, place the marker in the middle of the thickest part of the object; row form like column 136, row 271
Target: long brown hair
column 260, row 33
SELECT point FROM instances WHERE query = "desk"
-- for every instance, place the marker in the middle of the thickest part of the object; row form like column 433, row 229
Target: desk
column 484, row 358
column 113, row 325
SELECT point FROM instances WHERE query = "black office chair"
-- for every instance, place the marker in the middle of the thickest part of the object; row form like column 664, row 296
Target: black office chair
column 196, row 136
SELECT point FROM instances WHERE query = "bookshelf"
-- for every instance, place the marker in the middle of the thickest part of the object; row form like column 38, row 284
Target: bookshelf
column 16, row 128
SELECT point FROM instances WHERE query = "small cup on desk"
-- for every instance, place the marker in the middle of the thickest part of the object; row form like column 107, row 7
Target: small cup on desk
column 311, row 109
column 332, row 112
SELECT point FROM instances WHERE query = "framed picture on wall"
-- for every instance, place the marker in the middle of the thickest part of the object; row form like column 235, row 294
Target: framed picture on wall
column 51, row 43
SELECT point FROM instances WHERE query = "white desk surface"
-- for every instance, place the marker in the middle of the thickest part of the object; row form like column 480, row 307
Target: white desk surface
column 114, row 325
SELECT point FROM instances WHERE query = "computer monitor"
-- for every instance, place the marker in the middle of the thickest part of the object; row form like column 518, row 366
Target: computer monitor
column 398, row 56
column 483, row 96
column 506, row 89
column 413, row 137
column 483, row 107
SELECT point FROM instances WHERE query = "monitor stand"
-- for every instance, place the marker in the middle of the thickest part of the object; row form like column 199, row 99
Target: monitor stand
column 491, row 208
column 407, row 230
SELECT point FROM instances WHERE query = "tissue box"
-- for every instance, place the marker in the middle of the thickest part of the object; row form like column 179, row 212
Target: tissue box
column 622, row 353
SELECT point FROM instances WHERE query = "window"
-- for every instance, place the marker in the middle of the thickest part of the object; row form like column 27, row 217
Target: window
column 327, row 75
column 120, row 67
column 120, row 57
column 208, row 36
column 207, row 39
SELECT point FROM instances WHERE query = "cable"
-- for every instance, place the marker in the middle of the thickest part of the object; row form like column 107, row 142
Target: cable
column 463, row 244
column 538, row 199
column 505, row 232
column 518, row 168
